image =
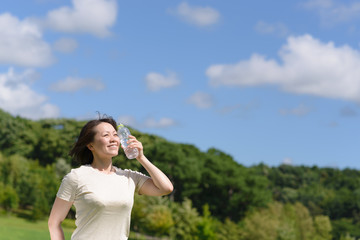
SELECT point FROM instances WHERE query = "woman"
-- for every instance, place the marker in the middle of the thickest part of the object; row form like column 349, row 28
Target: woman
column 103, row 194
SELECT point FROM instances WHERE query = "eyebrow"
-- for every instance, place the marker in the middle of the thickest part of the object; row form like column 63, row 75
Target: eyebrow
column 109, row 132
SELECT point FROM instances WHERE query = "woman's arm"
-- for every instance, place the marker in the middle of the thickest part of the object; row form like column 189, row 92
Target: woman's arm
column 58, row 213
column 159, row 184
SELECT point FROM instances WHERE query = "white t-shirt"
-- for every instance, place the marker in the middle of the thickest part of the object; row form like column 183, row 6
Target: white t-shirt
column 103, row 202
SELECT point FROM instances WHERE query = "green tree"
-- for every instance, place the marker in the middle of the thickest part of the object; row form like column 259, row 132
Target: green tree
column 228, row 230
column 345, row 226
column 206, row 225
column 18, row 135
column 287, row 222
column 152, row 215
column 12, row 168
column 186, row 220
column 45, row 185
column 159, row 220
column 323, row 228
column 182, row 163
column 61, row 167
column 8, row 198
column 347, row 237
column 229, row 188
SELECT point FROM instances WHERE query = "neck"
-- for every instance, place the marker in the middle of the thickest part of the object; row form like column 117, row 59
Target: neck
column 103, row 165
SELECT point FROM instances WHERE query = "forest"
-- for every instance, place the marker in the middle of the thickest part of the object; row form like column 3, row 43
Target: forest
column 214, row 197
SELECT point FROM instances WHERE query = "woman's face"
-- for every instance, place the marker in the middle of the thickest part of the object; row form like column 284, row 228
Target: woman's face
column 106, row 141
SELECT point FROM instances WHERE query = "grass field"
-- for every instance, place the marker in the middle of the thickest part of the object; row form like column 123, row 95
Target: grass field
column 13, row 228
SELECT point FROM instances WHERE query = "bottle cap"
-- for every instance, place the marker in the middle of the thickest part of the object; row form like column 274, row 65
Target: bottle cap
column 120, row 125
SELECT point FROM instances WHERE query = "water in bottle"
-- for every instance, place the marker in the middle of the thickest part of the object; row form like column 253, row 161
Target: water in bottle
column 124, row 133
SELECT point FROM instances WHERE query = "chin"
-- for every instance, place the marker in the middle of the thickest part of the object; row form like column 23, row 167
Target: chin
column 114, row 154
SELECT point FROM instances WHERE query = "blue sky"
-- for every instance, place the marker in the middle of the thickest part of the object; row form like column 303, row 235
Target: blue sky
column 264, row 81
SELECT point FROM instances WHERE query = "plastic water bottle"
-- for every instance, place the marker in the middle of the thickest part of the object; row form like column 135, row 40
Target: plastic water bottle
column 124, row 133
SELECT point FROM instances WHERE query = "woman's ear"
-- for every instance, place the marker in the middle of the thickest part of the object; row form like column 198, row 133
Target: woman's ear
column 90, row 147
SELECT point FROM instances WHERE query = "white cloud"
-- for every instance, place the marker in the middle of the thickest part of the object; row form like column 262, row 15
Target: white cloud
column 331, row 12
column 201, row 100
column 161, row 123
column 308, row 67
column 200, row 16
column 300, row 110
column 73, row 84
column 149, row 122
column 65, row 45
column 287, row 161
column 279, row 29
column 156, row 81
column 85, row 16
column 21, row 43
column 17, row 97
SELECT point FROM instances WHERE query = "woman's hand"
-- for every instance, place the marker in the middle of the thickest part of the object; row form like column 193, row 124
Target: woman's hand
column 134, row 143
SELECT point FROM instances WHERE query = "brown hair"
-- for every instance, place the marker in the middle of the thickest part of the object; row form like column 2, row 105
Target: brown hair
column 80, row 151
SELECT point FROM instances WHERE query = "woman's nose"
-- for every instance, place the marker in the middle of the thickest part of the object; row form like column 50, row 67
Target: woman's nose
column 114, row 139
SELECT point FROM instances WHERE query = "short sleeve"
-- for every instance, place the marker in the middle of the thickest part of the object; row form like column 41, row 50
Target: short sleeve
column 67, row 189
column 139, row 179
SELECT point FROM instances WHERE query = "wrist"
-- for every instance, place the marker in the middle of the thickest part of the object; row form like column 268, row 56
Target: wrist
column 141, row 157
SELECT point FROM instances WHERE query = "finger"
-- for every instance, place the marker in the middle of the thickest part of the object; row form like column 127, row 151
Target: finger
column 132, row 141
column 136, row 144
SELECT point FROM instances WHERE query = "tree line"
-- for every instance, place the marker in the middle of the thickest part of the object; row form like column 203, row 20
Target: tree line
column 214, row 197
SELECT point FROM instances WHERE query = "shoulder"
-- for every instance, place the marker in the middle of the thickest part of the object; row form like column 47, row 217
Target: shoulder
column 131, row 174
column 128, row 172
column 81, row 170
column 76, row 172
